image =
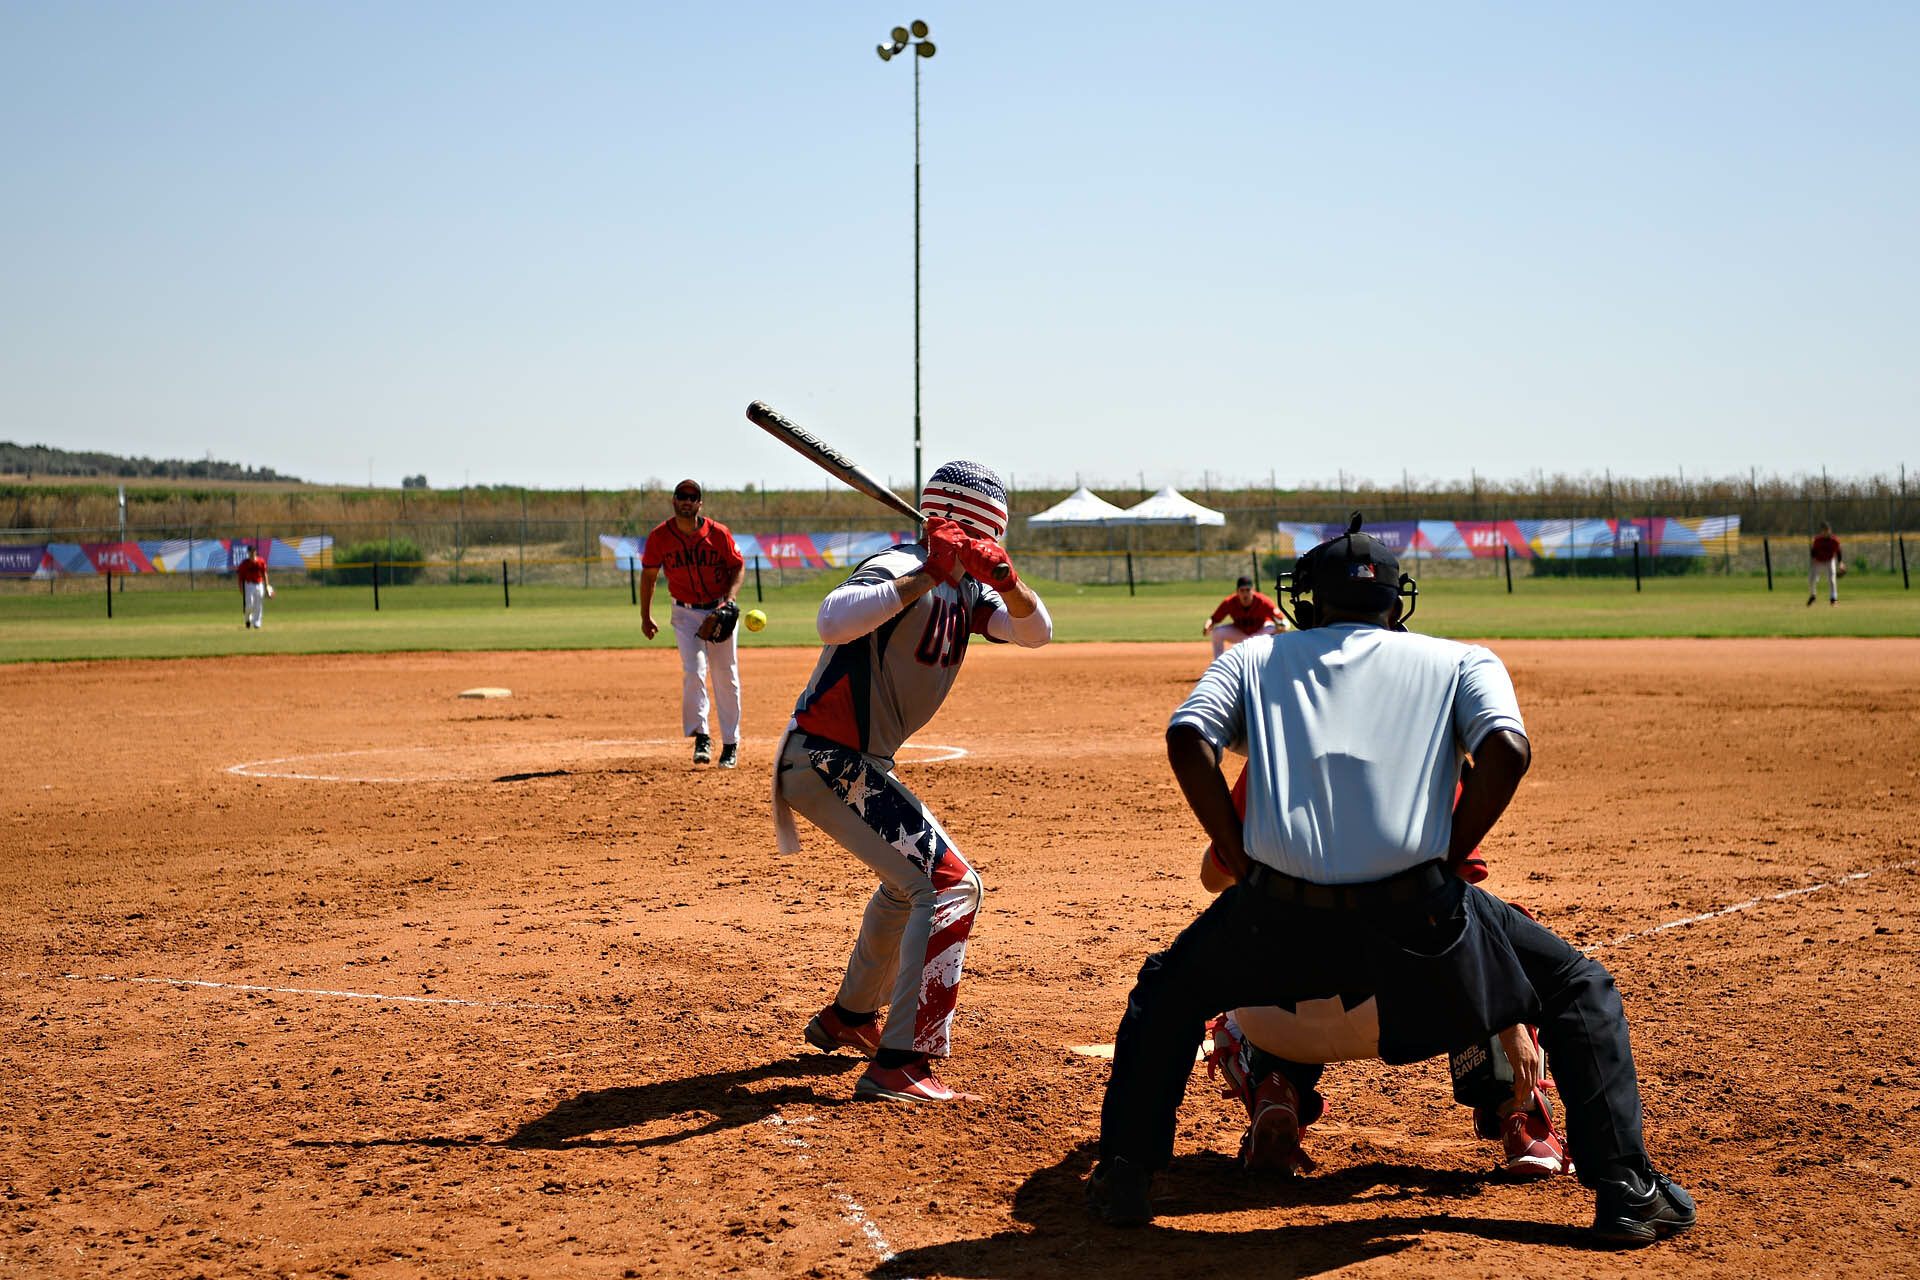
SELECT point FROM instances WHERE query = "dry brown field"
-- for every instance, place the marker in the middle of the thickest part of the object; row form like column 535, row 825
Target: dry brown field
column 311, row 968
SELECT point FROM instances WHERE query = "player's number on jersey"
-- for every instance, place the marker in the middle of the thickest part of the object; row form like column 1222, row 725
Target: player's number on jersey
column 945, row 639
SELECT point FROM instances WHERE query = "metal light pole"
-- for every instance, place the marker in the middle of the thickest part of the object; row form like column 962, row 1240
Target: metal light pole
column 915, row 38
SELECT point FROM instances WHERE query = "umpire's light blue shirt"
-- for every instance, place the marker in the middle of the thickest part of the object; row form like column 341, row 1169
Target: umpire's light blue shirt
column 1354, row 738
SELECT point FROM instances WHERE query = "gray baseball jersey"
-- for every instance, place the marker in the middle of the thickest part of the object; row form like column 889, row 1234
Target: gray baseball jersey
column 874, row 692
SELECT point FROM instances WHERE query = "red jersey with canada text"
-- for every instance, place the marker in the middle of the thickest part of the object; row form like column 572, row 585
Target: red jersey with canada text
column 1248, row 617
column 698, row 565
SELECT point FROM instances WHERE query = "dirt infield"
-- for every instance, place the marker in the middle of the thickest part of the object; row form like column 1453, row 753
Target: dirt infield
column 312, row 968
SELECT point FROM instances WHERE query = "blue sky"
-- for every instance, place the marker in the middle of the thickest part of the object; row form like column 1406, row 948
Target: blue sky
column 565, row 244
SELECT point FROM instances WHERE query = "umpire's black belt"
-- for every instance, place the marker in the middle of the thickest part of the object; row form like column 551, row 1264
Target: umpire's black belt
column 1408, row 886
column 705, row 604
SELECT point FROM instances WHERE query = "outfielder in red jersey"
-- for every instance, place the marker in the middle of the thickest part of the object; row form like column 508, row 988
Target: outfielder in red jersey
column 1825, row 558
column 704, row 570
column 252, row 573
column 1242, row 615
column 896, row 633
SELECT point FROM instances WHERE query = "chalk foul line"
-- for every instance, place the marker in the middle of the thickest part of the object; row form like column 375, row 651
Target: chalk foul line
column 851, row 1210
column 1750, row 903
column 301, row 991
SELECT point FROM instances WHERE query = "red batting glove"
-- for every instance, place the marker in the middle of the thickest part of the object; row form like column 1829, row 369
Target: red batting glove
column 946, row 545
column 983, row 558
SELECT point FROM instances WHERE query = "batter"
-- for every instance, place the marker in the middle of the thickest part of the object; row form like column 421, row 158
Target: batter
column 896, row 633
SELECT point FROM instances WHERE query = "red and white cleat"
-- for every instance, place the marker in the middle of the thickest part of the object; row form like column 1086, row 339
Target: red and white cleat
column 1272, row 1141
column 1533, row 1148
column 826, row 1032
column 914, row 1082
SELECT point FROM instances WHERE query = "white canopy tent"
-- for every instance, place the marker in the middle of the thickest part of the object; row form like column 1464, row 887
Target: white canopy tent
column 1169, row 507
column 1081, row 508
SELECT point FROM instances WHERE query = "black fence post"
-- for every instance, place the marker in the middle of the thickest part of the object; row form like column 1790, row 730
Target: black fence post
column 633, row 589
column 1636, row 565
column 1506, row 554
column 1905, row 584
column 1129, row 571
column 1766, row 549
column 757, row 597
column 109, row 595
column 1256, row 569
column 506, row 595
column 376, row 586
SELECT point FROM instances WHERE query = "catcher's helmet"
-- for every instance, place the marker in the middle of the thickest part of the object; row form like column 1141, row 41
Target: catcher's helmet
column 1355, row 573
column 969, row 493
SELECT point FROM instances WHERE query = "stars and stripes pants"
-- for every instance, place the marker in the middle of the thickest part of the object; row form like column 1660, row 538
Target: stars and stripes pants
column 913, row 936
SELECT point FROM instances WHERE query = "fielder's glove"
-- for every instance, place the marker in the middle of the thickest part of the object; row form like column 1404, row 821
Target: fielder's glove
column 719, row 624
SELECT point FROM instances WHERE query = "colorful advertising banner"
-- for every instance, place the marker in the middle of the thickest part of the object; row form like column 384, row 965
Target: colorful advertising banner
column 775, row 551
column 1533, row 539
column 200, row 555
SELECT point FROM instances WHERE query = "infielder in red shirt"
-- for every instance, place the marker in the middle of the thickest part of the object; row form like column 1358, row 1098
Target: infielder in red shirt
column 254, row 587
column 704, row 570
column 1244, row 614
column 1826, row 559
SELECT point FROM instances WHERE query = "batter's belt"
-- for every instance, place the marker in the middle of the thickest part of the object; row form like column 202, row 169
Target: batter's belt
column 1408, row 886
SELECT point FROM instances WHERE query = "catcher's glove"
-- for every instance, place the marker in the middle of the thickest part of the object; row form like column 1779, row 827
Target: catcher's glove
column 719, row 624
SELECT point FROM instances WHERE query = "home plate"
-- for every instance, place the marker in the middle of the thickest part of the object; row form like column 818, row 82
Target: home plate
column 1106, row 1050
column 486, row 693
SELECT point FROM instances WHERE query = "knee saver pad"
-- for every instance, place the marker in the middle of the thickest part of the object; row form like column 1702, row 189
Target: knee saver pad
column 1314, row 1031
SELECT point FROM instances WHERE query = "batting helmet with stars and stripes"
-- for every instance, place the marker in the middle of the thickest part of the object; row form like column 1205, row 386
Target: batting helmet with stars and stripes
column 969, row 493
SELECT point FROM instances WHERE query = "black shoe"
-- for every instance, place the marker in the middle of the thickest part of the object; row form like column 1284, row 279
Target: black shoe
column 702, row 748
column 1642, row 1210
column 1809, row 600
column 729, row 754
column 1117, row 1194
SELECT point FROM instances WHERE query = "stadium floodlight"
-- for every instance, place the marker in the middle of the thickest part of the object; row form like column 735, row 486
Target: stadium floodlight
column 916, row 35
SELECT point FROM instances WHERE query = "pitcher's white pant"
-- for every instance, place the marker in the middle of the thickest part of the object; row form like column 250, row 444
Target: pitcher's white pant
column 254, row 596
column 913, row 937
column 1225, row 633
column 1832, row 569
column 695, row 655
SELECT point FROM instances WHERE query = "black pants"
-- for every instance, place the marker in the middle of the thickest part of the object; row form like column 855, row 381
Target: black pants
column 1248, row 949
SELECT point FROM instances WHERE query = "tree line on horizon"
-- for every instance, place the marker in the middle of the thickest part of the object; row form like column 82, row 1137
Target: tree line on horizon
column 44, row 460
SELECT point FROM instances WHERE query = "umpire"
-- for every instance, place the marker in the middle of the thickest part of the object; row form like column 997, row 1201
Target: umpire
column 1355, row 733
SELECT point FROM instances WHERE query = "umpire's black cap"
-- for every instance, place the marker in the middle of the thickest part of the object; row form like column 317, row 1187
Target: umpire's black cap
column 1353, row 572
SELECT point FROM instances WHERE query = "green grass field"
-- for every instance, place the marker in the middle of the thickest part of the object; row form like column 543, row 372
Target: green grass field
column 301, row 619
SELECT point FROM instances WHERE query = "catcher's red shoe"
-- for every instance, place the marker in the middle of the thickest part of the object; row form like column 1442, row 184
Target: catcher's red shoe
column 1532, row 1146
column 826, row 1032
column 914, row 1082
column 1272, row 1141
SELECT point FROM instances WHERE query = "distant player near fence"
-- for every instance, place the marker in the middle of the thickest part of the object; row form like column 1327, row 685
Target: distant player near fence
column 1824, row 557
column 254, row 587
column 1241, row 616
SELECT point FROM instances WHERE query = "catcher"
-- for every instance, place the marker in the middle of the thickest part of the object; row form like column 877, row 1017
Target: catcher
column 704, row 570
column 1271, row 1058
column 1344, row 897
column 896, row 633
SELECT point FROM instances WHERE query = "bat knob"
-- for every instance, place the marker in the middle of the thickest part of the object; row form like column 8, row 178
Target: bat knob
column 1001, row 573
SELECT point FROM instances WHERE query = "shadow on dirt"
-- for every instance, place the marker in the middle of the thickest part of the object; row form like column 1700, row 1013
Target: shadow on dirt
column 1063, row 1240
column 724, row 1096
column 707, row 1104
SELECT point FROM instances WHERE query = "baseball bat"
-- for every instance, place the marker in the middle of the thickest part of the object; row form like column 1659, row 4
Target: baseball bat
column 833, row 462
